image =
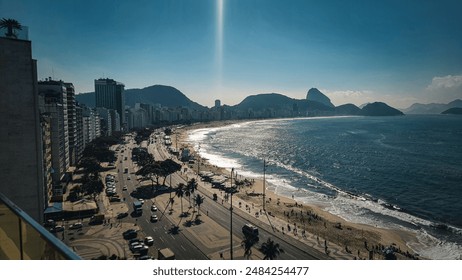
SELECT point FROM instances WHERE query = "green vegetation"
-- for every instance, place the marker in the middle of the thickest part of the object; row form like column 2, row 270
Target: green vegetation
column 270, row 250
column 11, row 25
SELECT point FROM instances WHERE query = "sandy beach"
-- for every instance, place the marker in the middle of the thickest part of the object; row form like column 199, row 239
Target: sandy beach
column 308, row 223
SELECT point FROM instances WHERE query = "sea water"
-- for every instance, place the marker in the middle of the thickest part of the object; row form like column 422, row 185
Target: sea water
column 392, row 172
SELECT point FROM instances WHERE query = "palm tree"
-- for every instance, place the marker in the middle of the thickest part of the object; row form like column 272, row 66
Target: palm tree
column 179, row 191
column 199, row 199
column 190, row 188
column 270, row 249
column 11, row 25
column 248, row 243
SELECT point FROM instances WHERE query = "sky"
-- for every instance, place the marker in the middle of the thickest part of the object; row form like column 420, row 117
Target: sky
column 398, row 52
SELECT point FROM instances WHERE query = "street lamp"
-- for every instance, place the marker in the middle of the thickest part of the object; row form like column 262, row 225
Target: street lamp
column 231, row 190
column 265, row 164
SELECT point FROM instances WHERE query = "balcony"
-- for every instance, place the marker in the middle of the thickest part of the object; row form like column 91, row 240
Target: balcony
column 22, row 238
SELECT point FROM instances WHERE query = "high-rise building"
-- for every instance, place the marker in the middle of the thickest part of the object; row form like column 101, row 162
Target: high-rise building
column 105, row 121
column 110, row 94
column 79, row 142
column 91, row 125
column 72, row 123
column 54, row 96
column 217, row 103
column 20, row 133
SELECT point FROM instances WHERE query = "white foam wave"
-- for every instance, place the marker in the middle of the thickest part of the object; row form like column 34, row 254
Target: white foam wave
column 351, row 207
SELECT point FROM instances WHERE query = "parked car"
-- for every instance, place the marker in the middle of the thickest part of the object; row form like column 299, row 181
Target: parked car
column 76, row 226
column 153, row 208
column 124, row 188
column 129, row 234
column 57, row 228
column 122, row 215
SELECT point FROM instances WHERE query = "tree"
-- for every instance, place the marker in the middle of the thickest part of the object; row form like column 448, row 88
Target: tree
column 179, row 191
column 11, row 25
column 190, row 188
column 169, row 167
column 198, row 199
column 248, row 243
column 270, row 250
column 90, row 166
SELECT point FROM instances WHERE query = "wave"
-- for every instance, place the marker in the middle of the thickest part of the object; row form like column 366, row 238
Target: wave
column 308, row 186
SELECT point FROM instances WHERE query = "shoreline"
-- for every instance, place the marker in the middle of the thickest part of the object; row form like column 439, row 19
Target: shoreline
column 307, row 221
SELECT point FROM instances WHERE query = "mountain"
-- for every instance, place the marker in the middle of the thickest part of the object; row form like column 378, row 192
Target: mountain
column 453, row 111
column 158, row 94
column 432, row 108
column 315, row 95
column 278, row 101
column 265, row 100
column 165, row 95
column 379, row 109
column 87, row 98
column 347, row 110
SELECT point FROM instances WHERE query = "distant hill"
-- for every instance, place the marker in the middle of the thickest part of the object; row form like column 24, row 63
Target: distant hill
column 264, row 101
column 278, row 101
column 315, row 95
column 453, row 111
column 432, row 108
column 87, row 98
column 379, row 109
column 158, row 94
column 165, row 95
column 347, row 110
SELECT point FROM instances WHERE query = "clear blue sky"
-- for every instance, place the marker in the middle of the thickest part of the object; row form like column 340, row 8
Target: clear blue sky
column 399, row 52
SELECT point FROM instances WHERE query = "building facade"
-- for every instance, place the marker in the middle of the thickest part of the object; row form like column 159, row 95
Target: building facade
column 20, row 133
column 110, row 95
column 53, row 96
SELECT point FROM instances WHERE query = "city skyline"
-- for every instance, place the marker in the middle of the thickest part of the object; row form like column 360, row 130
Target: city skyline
column 399, row 53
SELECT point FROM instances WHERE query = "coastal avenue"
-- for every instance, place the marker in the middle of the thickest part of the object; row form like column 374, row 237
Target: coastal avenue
column 183, row 248
column 219, row 214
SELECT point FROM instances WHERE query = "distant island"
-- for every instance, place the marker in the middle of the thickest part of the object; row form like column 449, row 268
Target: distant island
column 453, row 111
column 432, row 108
column 264, row 105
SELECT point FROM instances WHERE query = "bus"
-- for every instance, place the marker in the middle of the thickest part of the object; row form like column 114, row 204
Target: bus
column 138, row 207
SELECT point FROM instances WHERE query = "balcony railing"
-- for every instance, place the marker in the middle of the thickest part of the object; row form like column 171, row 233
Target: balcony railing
column 22, row 238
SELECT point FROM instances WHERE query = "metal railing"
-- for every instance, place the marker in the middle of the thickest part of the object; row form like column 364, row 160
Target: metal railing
column 23, row 238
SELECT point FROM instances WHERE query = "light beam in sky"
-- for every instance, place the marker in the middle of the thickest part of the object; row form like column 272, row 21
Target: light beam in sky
column 219, row 43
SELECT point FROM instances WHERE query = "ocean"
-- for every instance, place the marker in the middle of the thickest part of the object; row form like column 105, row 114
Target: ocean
column 391, row 172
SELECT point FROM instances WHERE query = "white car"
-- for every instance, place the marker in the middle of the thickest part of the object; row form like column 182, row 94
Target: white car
column 149, row 240
column 153, row 208
column 154, row 218
column 76, row 226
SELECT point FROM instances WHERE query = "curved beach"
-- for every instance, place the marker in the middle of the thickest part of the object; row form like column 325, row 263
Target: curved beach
column 308, row 222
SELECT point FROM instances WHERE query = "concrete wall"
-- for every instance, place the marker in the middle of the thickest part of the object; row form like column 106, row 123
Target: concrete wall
column 21, row 176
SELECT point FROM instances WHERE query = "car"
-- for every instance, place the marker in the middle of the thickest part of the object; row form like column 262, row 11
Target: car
column 149, row 240
column 141, row 200
column 130, row 234
column 115, row 198
column 76, row 226
column 122, row 215
column 145, row 257
column 128, row 178
column 50, row 223
column 154, row 218
column 136, row 247
column 57, row 228
column 153, row 208
column 124, row 188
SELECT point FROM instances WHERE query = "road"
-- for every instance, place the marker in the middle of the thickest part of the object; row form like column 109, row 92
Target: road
column 178, row 243
column 293, row 249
